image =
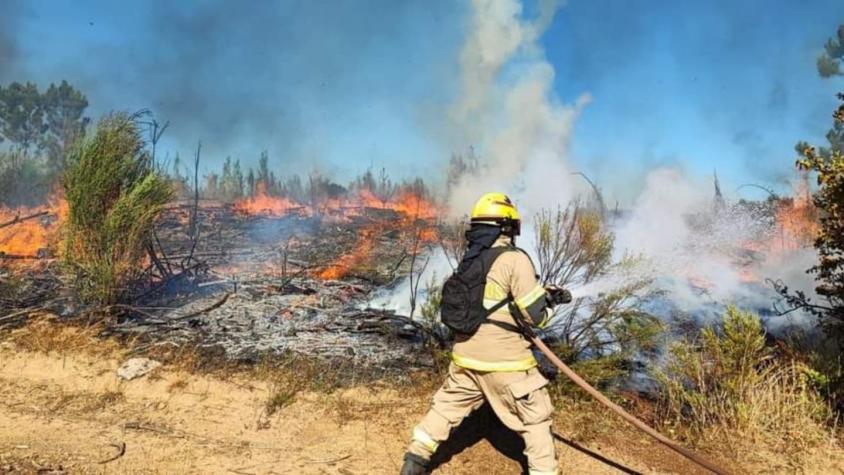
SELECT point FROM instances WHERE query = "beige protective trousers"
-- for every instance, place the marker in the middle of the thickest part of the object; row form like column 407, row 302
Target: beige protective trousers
column 519, row 399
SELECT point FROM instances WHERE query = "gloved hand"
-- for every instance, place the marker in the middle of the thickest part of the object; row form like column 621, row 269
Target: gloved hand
column 555, row 296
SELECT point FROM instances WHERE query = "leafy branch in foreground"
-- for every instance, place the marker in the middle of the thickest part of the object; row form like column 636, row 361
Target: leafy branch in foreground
column 828, row 165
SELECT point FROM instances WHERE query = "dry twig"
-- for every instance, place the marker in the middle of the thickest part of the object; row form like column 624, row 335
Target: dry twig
column 121, row 449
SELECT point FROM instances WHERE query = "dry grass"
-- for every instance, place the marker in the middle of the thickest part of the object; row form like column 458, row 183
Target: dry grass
column 285, row 377
column 45, row 333
column 108, row 398
column 184, row 358
column 346, row 410
column 281, row 395
column 583, row 420
column 355, row 406
column 83, row 403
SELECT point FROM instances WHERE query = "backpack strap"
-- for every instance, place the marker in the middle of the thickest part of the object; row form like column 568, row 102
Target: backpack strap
column 505, row 325
column 489, row 256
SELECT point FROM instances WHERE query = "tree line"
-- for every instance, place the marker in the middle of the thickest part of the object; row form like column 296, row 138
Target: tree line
column 233, row 182
column 37, row 130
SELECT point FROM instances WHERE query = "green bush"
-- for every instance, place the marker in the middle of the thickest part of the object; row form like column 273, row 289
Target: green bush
column 728, row 388
column 114, row 197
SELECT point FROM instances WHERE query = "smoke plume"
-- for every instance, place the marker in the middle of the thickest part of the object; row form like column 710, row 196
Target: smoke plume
column 704, row 254
column 508, row 110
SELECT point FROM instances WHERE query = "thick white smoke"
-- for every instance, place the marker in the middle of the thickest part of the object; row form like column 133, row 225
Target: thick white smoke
column 704, row 266
column 508, row 111
column 435, row 271
column 658, row 231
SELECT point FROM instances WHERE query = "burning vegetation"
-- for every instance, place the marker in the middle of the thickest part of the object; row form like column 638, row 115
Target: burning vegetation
column 28, row 233
column 331, row 246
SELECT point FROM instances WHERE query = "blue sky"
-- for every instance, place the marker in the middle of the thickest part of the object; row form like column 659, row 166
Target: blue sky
column 726, row 85
column 348, row 84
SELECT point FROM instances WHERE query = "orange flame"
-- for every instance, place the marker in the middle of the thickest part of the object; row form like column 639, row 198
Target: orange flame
column 408, row 206
column 264, row 204
column 796, row 226
column 345, row 263
column 31, row 237
column 406, row 203
column 798, row 223
column 423, row 234
column 415, row 206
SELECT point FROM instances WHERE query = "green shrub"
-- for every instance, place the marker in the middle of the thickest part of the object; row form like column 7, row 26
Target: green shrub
column 728, row 388
column 114, row 197
column 434, row 298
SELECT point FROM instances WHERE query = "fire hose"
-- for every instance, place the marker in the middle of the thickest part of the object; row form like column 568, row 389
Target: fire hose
column 540, row 345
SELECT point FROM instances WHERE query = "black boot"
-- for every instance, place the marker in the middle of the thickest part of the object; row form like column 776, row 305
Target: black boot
column 414, row 465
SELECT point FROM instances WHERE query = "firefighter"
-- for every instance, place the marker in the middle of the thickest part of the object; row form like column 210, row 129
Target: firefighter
column 495, row 363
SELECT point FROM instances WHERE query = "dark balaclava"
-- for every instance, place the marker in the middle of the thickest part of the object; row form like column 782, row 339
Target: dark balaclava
column 479, row 237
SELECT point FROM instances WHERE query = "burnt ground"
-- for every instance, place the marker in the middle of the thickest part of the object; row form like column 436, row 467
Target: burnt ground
column 257, row 285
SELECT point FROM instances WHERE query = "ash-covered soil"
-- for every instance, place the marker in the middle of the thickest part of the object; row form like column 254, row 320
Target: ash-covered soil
column 308, row 317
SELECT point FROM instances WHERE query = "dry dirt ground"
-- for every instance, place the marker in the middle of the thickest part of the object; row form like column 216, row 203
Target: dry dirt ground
column 69, row 413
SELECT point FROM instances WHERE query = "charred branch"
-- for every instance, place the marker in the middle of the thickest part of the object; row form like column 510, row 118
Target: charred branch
column 20, row 219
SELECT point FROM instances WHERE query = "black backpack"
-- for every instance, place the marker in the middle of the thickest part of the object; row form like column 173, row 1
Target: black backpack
column 462, row 308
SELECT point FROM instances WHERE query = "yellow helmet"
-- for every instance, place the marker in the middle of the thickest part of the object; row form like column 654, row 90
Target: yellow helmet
column 496, row 208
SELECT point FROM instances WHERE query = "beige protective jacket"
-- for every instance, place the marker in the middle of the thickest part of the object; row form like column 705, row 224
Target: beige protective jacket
column 493, row 348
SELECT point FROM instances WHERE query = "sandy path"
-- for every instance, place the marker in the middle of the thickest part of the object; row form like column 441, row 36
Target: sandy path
column 72, row 412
